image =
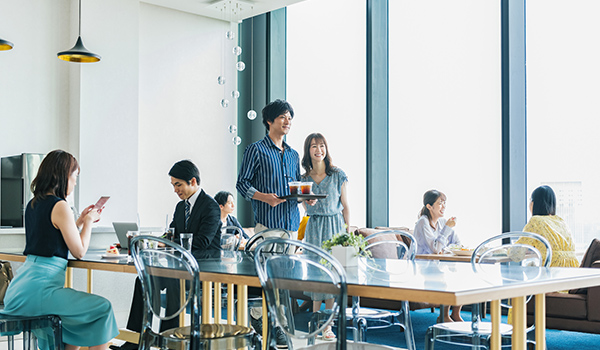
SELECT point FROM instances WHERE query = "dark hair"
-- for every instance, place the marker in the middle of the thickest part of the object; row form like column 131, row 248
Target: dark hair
column 429, row 198
column 185, row 170
column 53, row 175
column 222, row 196
column 274, row 110
column 307, row 161
column 544, row 201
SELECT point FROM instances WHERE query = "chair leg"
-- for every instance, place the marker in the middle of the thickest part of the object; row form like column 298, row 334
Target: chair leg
column 57, row 326
column 429, row 341
column 27, row 340
column 11, row 342
column 408, row 329
column 363, row 329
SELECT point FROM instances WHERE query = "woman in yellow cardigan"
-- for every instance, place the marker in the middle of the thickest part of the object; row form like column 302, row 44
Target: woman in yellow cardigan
column 546, row 223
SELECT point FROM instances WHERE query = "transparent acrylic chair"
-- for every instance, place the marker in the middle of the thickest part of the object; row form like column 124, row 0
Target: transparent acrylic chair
column 230, row 242
column 170, row 272
column 385, row 245
column 499, row 250
column 253, row 242
column 47, row 326
column 266, row 234
column 282, row 271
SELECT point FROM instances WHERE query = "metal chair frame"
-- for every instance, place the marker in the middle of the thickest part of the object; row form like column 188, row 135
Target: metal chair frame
column 377, row 318
column 477, row 334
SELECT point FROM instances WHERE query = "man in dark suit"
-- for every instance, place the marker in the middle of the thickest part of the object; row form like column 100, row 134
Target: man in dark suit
column 204, row 219
column 197, row 213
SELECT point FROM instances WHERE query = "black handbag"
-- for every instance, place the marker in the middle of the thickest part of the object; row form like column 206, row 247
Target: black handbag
column 6, row 275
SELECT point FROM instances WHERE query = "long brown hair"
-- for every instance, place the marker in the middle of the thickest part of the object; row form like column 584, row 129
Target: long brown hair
column 53, row 175
column 307, row 161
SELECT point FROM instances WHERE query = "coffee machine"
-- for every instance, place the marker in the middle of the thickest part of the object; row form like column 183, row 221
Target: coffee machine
column 16, row 174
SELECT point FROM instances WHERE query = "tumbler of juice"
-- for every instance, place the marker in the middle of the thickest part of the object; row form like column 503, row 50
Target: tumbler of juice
column 305, row 187
column 294, row 187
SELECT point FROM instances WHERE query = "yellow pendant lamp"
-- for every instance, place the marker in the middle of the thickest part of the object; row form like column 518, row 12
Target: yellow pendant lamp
column 5, row 45
column 79, row 53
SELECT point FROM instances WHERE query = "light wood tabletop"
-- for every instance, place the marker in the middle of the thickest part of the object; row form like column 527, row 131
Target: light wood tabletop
column 433, row 281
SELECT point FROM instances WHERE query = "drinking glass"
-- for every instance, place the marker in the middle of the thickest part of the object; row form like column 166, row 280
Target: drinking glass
column 294, row 187
column 130, row 235
column 306, row 187
column 170, row 234
column 186, row 241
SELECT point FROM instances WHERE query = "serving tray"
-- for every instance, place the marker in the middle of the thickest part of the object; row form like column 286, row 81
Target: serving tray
column 302, row 197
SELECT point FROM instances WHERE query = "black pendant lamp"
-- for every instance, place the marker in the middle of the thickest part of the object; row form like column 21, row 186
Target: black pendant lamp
column 5, row 45
column 79, row 53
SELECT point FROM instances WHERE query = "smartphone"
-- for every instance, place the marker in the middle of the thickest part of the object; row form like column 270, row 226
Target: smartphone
column 100, row 203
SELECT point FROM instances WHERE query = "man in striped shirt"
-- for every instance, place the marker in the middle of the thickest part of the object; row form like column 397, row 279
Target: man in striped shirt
column 267, row 167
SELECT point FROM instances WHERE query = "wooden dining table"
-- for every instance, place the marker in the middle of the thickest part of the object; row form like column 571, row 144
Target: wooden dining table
column 432, row 281
column 444, row 257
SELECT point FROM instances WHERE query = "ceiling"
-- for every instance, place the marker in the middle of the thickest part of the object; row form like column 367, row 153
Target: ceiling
column 228, row 10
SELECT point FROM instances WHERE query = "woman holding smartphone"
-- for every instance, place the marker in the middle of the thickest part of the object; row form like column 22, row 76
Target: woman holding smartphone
column 51, row 232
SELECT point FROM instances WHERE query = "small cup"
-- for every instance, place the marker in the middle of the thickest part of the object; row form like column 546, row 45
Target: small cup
column 130, row 235
column 186, row 240
column 170, row 233
column 306, row 187
column 294, row 187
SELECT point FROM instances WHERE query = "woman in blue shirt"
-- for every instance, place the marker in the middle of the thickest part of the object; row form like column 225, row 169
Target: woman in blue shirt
column 328, row 216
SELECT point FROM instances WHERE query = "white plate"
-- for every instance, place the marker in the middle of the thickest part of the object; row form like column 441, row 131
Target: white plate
column 462, row 252
column 114, row 256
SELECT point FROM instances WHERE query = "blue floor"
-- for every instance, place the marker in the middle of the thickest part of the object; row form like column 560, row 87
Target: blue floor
column 422, row 319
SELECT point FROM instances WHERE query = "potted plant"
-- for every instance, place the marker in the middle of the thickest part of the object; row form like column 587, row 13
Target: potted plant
column 347, row 247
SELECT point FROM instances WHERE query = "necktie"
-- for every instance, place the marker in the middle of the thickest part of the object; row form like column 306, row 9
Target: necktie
column 187, row 213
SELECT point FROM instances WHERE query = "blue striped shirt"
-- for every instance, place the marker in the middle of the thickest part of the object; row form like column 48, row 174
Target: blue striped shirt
column 267, row 169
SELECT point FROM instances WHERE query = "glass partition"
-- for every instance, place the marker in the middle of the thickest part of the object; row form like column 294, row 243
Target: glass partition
column 562, row 105
column 326, row 85
column 445, row 112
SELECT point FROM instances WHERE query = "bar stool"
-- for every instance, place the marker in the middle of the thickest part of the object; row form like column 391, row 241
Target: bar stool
column 10, row 326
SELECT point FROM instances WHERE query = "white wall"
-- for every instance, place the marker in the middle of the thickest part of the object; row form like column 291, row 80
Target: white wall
column 152, row 100
column 180, row 115
column 108, row 118
column 33, row 109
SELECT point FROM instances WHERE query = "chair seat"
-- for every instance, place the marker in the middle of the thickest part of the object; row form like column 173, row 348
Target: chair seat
column 349, row 346
column 372, row 313
column 208, row 331
column 14, row 325
column 465, row 327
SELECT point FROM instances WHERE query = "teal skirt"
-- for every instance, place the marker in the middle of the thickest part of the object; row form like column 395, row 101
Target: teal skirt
column 38, row 289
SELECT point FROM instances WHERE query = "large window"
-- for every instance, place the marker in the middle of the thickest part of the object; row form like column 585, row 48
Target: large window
column 326, row 85
column 562, row 109
column 445, row 112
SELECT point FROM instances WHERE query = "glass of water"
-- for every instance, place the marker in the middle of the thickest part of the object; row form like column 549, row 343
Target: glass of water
column 186, row 241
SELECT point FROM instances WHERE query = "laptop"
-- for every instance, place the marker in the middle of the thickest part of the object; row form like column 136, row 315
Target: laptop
column 121, row 229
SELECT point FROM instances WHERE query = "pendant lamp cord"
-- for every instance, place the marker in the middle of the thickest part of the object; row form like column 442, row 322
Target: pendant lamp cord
column 252, row 64
column 79, row 17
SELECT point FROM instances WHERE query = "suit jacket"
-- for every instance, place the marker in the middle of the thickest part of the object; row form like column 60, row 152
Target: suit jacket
column 204, row 223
